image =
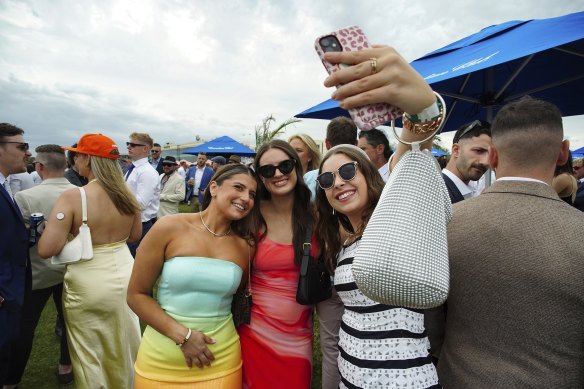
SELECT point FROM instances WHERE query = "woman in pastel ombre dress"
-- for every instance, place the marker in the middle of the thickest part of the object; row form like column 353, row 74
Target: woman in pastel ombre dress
column 277, row 344
column 190, row 341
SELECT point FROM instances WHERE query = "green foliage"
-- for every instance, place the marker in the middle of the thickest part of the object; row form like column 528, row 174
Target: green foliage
column 264, row 134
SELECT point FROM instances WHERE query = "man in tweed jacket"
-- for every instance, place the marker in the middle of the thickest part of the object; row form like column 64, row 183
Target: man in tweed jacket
column 516, row 303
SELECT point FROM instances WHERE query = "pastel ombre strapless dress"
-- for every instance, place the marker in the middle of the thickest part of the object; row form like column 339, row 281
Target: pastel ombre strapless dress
column 197, row 293
column 277, row 344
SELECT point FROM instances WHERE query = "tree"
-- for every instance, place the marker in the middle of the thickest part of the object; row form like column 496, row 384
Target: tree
column 264, row 134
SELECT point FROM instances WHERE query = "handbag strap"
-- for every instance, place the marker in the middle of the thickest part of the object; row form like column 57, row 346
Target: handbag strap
column 83, row 205
column 306, row 246
column 248, row 289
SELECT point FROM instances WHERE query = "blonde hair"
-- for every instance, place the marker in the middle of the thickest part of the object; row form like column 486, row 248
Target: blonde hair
column 109, row 175
column 311, row 147
column 143, row 137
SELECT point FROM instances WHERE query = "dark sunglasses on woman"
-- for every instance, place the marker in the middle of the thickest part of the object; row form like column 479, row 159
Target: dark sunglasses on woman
column 285, row 167
column 347, row 172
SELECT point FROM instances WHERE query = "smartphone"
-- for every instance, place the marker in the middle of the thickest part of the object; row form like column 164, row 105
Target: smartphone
column 351, row 39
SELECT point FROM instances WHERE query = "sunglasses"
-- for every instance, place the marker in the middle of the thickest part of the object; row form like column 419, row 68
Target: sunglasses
column 471, row 127
column 577, row 167
column 347, row 172
column 134, row 144
column 285, row 167
column 155, row 151
column 21, row 145
column 169, row 164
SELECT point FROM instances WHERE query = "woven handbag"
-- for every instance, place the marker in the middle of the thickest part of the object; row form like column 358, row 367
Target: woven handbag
column 402, row 259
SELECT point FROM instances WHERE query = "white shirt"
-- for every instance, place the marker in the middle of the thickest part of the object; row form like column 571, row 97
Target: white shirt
column 467, row 191
column 521, row 179
column 36, row 178
column 384, row 172
column 20, row 181
column 181, row 172
column 143, row 182
column 198, row 178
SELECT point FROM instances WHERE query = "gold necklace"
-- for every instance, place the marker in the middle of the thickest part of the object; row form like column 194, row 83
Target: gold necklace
column 211, row 231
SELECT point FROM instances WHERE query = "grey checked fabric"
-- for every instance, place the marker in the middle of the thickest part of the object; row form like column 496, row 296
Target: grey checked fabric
column 403, row 256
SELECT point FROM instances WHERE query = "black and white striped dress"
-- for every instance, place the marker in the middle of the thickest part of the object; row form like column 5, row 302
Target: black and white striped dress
column 380, row 346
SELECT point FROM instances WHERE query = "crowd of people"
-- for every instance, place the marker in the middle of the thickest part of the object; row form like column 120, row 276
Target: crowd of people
column 513, row 317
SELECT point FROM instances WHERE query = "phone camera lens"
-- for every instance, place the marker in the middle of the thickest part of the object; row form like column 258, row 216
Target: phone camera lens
column 324, row 42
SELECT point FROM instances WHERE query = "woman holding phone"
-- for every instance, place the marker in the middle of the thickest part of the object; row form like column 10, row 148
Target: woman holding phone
column 199, row 260
column 379, row 345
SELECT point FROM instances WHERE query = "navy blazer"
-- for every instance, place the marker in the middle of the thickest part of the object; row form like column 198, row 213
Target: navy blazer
column 207, row 174
column 453, row 192
column 15, row 273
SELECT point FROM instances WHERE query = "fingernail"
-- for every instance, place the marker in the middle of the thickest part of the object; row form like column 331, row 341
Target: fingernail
column 334, row 96
column 214, row 340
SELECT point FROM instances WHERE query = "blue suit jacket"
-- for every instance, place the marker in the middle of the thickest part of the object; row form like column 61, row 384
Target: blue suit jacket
column 15, row 273
column 207, row 174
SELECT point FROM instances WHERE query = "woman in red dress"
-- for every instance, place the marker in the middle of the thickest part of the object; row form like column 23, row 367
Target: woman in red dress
column 277, row 344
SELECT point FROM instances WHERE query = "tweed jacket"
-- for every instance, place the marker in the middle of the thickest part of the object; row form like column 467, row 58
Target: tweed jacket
column 172, row 193
column 516, row 303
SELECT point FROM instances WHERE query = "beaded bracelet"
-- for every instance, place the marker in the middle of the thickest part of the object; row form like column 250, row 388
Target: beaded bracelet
column 185, row 339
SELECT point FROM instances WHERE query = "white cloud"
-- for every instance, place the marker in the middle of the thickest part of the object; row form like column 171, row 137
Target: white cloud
column 178, row 69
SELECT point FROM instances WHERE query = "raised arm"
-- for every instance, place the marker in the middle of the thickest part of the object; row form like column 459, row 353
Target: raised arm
column 395, row 82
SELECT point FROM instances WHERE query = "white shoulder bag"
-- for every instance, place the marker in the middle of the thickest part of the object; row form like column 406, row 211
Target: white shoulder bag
column 402, row 258
column 81, row 247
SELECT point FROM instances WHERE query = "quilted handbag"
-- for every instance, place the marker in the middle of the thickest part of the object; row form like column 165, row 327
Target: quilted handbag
column 402, row 258
column 79, row 248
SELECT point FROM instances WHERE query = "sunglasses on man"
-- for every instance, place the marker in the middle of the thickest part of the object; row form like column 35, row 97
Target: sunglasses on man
column 346, row 172
column 285, row 167
column 130, row 144
column 22, row 146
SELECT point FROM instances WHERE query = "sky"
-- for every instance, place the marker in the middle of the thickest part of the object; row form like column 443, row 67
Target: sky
column 179, row 70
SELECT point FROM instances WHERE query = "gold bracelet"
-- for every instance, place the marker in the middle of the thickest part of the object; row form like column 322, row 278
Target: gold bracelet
column 425, row 127
column 185, row 339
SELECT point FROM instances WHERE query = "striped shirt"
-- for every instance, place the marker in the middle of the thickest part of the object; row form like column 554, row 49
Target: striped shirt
column 380, row 346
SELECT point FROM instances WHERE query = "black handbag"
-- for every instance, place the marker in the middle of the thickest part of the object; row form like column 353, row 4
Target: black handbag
column 314, row 283
column 241, row 303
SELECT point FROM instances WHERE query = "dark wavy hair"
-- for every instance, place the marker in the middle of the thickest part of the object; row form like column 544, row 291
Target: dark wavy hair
column 328, row 223
column 302, row 212
column 247, row 227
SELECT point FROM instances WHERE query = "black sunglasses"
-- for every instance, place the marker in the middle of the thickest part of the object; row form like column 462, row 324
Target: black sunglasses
column 21, row 145
column 347, row 172
column 169, row 164
column 134, row 144
column 471, row 127
column 285, row 167
column 155, row 151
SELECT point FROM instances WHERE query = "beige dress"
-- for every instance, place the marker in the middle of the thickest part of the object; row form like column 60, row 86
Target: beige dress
column 102, row 331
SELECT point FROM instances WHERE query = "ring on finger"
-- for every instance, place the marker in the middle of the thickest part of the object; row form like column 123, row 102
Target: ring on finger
column 373, row 64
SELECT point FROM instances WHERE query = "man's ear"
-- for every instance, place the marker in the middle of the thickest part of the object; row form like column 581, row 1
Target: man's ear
column 493, row 157
column 380, row 148
column 455, row 150
column 564, row 153
column 327, row 143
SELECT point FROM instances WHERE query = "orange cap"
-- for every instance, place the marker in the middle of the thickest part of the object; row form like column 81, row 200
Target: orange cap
column 96, row 144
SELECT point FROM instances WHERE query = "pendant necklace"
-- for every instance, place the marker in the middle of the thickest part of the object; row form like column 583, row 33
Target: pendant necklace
column 211, row 231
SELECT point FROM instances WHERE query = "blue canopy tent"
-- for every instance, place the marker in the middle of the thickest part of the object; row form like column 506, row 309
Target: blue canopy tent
column 221, row 145
column 478, row 74
column 578, row 153
column 437, row 152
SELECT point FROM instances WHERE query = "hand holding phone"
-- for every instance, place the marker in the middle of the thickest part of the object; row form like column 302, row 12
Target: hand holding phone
column 352, row 39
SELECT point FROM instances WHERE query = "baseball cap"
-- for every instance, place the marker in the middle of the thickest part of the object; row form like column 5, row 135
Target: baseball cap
column 97, row 145
column 219, row 160
column 169, row 159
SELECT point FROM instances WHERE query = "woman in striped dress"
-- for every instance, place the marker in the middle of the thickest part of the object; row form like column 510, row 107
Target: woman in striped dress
column 380, row 346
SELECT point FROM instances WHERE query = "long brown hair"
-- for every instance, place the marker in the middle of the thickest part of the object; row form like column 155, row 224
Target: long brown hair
column 302, row 212
column 328, row 223
column 109, row 175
